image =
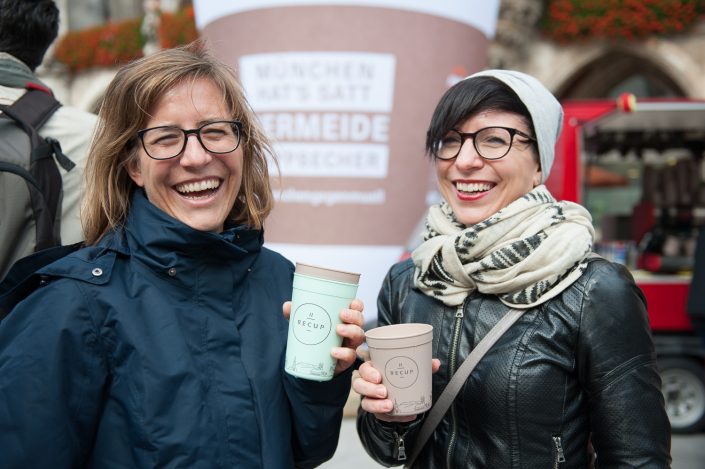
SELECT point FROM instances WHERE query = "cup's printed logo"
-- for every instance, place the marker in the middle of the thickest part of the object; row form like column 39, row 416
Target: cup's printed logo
column 312, row 324
column 401, row 372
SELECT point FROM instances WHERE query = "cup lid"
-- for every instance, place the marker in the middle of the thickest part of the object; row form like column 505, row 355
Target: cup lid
column 399, row 335
column 327, row 273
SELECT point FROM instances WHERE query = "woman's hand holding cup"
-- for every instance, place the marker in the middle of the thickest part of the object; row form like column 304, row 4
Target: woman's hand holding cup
column 353, row 336
column 350, row 330
column 374, row 393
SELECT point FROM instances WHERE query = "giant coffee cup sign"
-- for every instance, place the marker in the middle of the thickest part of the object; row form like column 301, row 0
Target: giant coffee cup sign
column 346, row 91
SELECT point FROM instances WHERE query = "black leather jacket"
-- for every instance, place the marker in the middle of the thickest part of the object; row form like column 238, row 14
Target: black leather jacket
column 581, row 363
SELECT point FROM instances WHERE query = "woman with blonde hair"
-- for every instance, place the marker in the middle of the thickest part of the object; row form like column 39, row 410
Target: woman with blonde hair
column 161, row 343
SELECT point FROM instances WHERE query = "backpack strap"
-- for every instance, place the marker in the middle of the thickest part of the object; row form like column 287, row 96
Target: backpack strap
column 30, row 112
column 35, row 107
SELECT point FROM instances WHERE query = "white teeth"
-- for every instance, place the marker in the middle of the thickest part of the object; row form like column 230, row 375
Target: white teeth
column 198, row 186
column 473, row 187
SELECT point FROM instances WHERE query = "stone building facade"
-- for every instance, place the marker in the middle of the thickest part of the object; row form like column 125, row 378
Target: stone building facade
column 672, row 66
column 663, row 66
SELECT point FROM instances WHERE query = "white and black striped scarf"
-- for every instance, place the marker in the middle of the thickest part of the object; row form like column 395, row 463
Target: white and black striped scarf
column 526, row 253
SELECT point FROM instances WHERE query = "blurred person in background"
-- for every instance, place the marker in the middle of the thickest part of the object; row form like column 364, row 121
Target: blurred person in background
column 27, row 29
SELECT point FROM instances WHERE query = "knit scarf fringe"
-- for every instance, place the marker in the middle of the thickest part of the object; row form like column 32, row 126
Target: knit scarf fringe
column 526, row 253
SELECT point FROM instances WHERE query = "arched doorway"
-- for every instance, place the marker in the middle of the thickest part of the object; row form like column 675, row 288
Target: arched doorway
column 616, row 72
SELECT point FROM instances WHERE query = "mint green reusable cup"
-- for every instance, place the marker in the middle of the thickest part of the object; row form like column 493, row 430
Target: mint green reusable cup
column 318, row 296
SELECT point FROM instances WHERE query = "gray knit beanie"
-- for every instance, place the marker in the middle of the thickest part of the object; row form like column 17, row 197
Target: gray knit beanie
column 545, row 110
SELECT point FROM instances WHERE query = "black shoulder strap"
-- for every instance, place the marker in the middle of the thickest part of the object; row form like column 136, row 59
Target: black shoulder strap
column 30, row 112
column 34, row 107
column 445, row 400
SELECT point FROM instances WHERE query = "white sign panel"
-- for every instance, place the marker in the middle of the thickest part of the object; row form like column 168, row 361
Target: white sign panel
column 319, row 81
column 328, row 112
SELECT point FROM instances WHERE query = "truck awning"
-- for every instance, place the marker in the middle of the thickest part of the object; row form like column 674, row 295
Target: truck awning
column 653, row 124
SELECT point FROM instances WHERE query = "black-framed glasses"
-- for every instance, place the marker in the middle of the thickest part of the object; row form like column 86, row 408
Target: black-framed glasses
column 491, row 143
column 165, row 142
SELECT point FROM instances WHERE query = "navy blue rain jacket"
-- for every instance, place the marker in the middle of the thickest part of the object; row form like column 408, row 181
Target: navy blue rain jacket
column 161, row 347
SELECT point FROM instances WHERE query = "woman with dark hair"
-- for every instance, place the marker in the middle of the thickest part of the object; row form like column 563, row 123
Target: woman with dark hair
column 577, row 369
column 27, row 29
column 161, row 343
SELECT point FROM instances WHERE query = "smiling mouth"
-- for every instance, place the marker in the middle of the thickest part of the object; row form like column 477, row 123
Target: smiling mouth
column 199, row 189
column 473, row 187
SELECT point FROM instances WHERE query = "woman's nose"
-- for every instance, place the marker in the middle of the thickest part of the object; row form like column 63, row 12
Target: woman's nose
column 468, row 157
column 194, row 154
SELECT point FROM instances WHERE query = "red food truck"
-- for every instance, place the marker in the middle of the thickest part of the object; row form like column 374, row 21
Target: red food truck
column 638, row 166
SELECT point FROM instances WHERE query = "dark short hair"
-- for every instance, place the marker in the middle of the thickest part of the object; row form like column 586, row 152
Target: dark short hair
column 27, row 29
column 468, row 98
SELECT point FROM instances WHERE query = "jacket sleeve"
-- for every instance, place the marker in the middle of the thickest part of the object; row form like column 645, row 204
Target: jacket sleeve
column 51, row 379
column 617, row 366
column 317, row 414
column 380, row 439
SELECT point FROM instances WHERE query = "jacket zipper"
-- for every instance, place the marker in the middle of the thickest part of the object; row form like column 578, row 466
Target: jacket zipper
column 560, row 456
column 451, row 371
column 401, row 449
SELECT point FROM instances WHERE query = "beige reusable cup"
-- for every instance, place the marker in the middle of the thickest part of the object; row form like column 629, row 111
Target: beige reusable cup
column 402, row 353
column 318, row 296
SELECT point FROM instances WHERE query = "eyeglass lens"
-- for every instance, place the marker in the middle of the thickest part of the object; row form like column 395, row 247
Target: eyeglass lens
column 491, row 143
column 167, row 142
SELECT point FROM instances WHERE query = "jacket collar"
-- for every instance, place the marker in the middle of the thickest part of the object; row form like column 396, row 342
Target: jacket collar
column 15, row 74
column 163, row 242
